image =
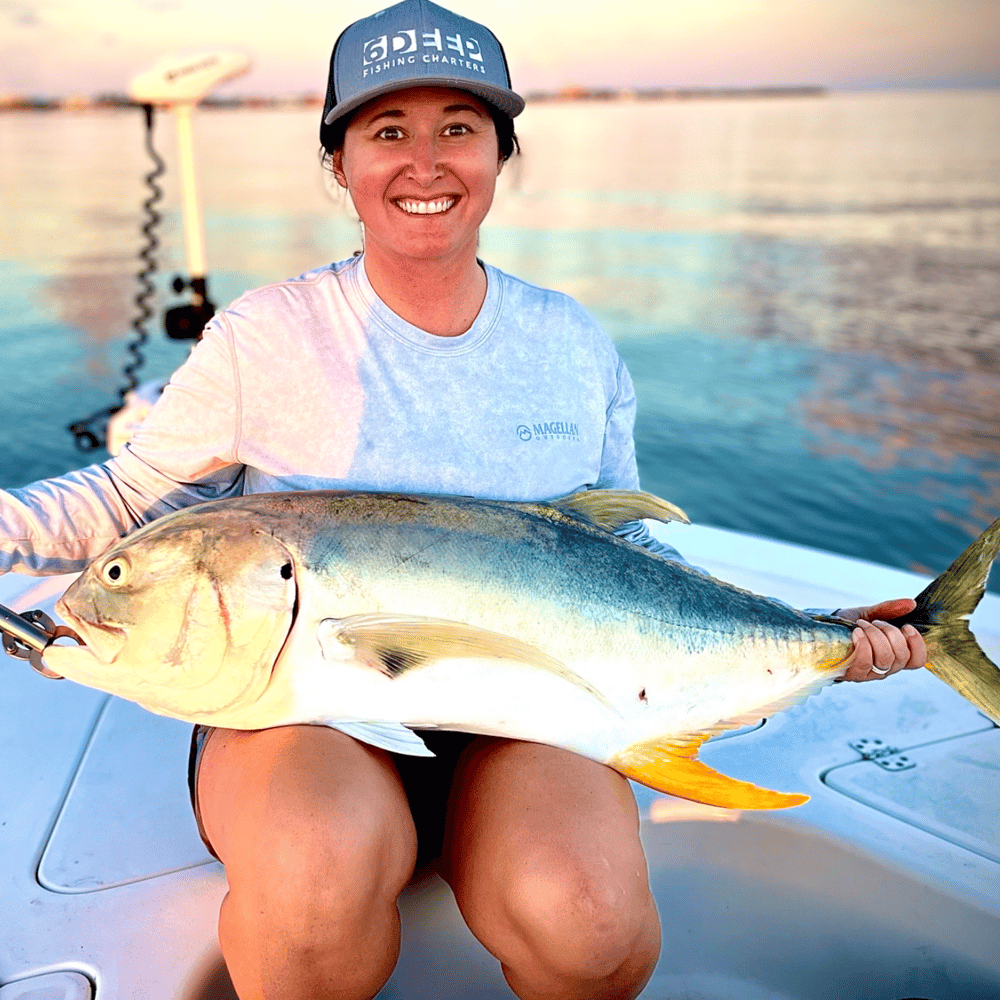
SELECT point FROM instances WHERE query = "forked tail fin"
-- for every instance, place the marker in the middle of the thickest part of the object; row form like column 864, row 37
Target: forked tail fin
column 942, row 614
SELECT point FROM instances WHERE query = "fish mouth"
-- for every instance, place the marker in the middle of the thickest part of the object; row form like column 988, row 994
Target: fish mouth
column 104, row 641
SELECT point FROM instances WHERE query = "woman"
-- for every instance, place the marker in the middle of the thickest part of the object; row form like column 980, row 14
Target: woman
column 413, row 367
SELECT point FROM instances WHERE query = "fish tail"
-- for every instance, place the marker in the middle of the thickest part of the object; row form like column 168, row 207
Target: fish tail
column 942, row 613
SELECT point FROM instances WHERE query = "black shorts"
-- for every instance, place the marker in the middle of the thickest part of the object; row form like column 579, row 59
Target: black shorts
column 426, row 781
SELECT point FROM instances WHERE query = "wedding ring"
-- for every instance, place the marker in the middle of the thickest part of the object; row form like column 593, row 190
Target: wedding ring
column 879, row 670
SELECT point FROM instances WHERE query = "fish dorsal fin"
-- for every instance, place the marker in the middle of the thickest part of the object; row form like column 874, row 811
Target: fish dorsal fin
column 394, row 644
column 610, row 509
column 671, row 766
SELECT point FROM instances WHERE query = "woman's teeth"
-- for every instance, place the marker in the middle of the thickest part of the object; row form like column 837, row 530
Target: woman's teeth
column 426, row 207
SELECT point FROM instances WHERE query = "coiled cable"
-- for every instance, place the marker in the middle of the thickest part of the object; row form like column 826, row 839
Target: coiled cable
column 90, row 433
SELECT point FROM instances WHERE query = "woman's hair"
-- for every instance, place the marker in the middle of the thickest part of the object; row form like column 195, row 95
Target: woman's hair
column 332, row 136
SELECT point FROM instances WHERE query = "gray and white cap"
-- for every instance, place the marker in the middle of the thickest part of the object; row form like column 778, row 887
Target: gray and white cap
column 416, row 43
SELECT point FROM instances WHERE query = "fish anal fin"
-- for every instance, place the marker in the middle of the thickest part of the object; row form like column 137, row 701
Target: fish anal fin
column 395, row 644
column 672, row 766
column 610, row 509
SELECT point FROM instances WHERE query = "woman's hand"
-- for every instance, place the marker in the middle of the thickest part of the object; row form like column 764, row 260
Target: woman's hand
column 881, row 649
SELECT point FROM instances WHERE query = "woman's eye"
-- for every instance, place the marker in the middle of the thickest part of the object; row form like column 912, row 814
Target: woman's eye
column 389, row 132
column 457, row 129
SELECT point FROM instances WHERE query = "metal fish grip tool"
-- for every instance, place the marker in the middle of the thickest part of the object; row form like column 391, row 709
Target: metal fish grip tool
column 26, row 637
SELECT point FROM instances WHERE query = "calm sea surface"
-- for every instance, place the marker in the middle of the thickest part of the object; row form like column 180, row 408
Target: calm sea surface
column 806, row 290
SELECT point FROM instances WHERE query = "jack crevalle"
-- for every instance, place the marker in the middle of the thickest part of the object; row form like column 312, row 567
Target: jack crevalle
column 526, row 620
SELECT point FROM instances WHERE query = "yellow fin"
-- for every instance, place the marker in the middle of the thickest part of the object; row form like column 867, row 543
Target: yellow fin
column 395, row 644
column 672, row 766
column 610, row 509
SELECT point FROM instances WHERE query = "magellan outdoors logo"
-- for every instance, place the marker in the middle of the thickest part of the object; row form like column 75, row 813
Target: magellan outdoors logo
column 554, row 430
column 405, row 47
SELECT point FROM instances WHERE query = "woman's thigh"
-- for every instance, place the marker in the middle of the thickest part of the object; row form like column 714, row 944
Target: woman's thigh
column 305, row 797
column 544, row 857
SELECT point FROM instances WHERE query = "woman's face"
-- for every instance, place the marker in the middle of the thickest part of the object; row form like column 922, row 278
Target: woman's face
column 421, row 166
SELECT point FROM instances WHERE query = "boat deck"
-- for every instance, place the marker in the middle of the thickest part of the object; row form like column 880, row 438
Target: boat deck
column 885, row 885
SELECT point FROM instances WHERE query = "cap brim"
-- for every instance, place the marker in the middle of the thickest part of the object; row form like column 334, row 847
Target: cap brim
column 505, row 101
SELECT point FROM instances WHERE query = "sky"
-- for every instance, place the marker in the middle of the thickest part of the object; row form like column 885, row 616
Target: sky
column 53, row 48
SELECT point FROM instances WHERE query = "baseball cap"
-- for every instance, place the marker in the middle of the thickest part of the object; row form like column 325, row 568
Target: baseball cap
column 416, row 43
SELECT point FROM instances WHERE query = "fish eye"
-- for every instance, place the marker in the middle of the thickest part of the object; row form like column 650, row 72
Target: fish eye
column 115, row 572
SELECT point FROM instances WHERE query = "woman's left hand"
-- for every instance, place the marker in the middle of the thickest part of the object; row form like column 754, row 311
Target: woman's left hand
column 881, row 649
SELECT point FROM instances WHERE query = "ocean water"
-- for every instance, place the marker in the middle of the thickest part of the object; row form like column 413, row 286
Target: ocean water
column 806, row 290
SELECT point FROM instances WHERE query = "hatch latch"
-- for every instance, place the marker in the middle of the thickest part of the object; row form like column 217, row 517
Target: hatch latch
column 889, row 758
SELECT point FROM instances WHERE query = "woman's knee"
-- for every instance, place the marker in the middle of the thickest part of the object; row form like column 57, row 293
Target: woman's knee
column 581, row 921
column 546, row 864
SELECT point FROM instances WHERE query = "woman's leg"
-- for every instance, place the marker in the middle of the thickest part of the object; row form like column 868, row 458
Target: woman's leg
column 544, row 858
column 317, row 840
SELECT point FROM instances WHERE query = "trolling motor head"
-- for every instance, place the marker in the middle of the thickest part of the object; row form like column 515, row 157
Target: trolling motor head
column 186, row 79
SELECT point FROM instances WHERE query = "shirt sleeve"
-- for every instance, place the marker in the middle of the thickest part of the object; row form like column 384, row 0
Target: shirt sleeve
column 183, row 453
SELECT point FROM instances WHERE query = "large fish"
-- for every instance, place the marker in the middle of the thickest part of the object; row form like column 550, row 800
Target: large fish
column 526, row 620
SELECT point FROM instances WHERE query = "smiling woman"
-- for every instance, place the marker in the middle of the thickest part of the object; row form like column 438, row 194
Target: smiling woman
column 421, row 165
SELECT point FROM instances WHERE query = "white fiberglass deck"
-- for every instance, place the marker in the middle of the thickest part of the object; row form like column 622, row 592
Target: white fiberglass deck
column 885, row 885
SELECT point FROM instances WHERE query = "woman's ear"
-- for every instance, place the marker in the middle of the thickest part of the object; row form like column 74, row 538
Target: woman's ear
column 337, row 165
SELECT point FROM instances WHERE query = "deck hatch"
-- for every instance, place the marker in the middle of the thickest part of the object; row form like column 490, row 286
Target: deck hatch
column 53, row 986
column 951, row 789
column 127, row 816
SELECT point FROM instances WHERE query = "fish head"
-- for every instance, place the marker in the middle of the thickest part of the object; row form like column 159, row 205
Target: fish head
column 186, row 616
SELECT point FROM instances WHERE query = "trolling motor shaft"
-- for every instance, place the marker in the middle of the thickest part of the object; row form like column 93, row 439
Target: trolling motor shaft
column 26, row 637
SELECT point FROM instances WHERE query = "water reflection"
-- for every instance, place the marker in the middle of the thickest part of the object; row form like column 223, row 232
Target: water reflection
column 97, row 307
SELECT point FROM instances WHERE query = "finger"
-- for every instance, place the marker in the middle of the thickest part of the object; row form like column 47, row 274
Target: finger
column 893, row 652
column 917, row 647
column 883, row 656
column 859, row 665
column 887, row 610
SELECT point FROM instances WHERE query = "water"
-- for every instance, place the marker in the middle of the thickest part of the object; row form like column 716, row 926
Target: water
column 806, row 290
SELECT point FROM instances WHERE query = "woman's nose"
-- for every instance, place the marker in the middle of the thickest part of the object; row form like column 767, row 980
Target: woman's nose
column 425, row 160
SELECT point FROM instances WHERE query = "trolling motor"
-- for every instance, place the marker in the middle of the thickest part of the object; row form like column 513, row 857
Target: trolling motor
column 177, row 83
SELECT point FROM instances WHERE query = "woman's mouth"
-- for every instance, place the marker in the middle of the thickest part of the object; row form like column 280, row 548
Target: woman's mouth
column 413, row 206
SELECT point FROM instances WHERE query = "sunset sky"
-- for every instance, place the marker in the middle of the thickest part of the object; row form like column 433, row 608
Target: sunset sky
column 61, row 47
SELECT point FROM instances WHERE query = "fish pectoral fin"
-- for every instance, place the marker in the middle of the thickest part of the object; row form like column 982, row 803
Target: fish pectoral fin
column 610, row 509
column 391, row 736
column 672, row 766
column 396, row 644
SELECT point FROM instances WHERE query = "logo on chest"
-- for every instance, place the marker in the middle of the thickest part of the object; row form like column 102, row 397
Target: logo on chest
column 549, row 430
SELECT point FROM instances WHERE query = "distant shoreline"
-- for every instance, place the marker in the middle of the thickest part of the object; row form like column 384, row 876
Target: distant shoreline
column 81, row 102
column 564, row 95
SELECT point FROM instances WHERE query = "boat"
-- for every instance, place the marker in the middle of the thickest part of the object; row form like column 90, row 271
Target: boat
column 885, row 885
